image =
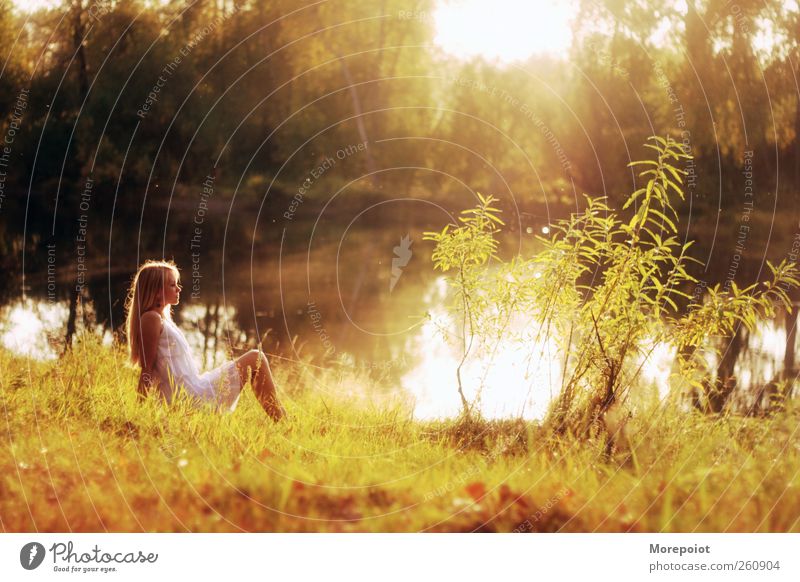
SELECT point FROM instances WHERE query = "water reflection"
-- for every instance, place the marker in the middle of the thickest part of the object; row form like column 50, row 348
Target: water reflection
column 763, row 357
column 525, row 373
column 37, row 329
column 31, row 328
column 386, row 343
column 517, row 377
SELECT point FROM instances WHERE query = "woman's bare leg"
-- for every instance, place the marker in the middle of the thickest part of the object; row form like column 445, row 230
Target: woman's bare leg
column 254, row 366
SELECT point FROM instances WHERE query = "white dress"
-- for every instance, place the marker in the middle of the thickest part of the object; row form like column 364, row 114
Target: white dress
column 176, row 368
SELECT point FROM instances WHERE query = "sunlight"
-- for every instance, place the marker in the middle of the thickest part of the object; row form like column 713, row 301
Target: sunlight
column 764, row 356
column 31, row 6
column 34, row 5
column 26, row 325
column 657, row 366
column 524, row 374
column 505, row 30
column 518, row 381
column 767, row 39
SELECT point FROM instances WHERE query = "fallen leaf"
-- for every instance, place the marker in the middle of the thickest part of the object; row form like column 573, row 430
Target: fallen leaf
column 476, row 490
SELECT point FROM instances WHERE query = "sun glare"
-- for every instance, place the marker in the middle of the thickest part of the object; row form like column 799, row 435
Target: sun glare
column 513, row 381
column 504, row 30
column 31, row 6
column 25, row 326
column 34, row 5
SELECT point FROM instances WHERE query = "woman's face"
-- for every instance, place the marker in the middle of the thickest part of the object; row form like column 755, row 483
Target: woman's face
column 172, row 289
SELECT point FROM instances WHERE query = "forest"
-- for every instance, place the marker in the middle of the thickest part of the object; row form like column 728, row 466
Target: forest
column 571, row 272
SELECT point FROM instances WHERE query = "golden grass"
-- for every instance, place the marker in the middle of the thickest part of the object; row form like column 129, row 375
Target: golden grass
column 79, row 453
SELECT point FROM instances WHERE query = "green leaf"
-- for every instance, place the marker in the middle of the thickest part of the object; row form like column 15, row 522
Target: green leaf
column 663, row 217
column 674, row 187
column 634, row 196
column 675, row 172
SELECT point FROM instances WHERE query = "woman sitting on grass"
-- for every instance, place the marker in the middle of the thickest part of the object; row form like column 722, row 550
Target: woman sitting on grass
column 160, row 348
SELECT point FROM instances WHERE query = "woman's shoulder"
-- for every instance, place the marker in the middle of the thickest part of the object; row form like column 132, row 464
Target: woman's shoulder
column 153, row 315
column 152, row 319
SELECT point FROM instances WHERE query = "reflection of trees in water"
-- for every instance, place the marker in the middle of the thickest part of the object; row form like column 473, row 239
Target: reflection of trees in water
column 749, row 373
column 228, row 317
column 756, row 371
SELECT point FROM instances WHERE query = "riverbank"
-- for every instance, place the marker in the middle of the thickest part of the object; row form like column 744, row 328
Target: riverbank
column 79, row 453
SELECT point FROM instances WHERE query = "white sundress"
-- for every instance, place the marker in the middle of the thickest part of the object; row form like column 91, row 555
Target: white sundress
column 220, row 386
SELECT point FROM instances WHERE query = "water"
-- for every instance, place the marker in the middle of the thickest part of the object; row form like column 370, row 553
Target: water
column 335, row 286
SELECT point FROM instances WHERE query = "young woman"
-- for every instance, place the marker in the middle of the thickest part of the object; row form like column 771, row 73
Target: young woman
column 159, row 347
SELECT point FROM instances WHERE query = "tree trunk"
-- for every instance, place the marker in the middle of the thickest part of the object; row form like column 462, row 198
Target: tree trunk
column 71, row 321
column 790, row 322
column 78, row 33
column 796, row 184
column 725, row 382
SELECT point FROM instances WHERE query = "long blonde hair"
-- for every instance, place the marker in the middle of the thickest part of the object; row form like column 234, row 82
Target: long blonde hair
column 146, row 293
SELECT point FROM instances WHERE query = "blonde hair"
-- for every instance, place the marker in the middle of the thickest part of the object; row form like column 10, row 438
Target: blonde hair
column 146, row 293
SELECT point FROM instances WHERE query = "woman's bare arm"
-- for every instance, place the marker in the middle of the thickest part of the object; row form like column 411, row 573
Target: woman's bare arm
column 151, row 331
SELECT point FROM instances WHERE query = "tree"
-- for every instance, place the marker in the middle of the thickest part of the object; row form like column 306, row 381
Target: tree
column 606, row 290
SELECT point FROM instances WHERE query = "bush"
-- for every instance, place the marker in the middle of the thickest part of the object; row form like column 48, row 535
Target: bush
column 605, row 289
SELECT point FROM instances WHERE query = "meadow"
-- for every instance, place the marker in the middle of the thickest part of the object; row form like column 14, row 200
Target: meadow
column 80, row 453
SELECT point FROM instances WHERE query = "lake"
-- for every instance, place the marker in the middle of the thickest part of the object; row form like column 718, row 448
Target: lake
column 333, row 284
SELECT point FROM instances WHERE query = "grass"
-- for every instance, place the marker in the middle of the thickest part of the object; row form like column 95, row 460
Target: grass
column 79, row 453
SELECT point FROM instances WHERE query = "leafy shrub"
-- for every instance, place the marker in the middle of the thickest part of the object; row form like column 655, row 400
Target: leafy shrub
column 605, row 288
